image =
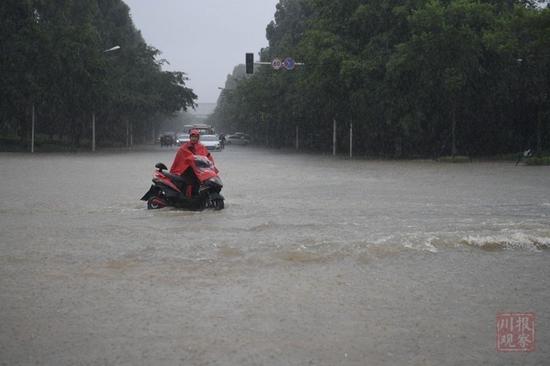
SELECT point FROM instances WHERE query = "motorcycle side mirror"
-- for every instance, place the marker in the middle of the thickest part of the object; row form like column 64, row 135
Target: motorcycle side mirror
column 161, row 166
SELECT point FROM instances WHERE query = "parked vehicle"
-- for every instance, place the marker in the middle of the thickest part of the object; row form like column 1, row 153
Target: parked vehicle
column 176, row 191
column 245, row 135
column 238, row 138
column 167, row 139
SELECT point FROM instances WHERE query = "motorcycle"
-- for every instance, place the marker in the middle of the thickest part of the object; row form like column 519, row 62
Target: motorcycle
column 180, row 192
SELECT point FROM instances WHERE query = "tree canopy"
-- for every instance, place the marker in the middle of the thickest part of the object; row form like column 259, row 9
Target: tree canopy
column 415, row 77
column 53, row 56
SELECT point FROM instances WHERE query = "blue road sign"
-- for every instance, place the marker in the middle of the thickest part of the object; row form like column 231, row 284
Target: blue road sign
column 289, row 63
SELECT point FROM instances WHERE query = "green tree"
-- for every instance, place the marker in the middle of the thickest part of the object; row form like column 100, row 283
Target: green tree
column 53, row 58
column 416, row 77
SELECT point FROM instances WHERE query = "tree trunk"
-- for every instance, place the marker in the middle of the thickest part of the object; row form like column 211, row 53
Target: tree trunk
column 398, row 144
column 76, row 132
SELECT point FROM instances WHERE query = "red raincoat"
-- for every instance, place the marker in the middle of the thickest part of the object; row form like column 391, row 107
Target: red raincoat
column 184, row 157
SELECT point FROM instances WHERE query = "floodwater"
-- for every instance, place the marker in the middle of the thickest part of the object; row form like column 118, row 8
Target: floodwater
column 315, row 261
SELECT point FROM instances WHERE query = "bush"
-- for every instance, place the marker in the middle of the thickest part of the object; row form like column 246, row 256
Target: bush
column 538, row 160
column 455, row 159
column 12, row 144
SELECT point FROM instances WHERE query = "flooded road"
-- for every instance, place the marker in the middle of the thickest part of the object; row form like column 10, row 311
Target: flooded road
column 315, row 261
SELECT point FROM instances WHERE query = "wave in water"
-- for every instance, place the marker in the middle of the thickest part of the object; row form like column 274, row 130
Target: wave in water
column 516, row 240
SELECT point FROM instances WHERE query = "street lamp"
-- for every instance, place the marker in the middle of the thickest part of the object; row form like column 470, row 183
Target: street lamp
column 117, row 47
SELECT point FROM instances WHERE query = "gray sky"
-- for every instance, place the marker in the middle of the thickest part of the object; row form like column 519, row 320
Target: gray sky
column 204, row 38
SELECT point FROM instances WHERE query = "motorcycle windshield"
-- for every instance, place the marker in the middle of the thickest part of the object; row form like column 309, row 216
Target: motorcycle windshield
column 204, row 169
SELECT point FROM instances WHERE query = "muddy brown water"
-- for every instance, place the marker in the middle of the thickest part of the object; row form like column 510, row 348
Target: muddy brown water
column 315, row 261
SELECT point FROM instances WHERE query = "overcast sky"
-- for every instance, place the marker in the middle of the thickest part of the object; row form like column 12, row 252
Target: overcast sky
column 203, row 38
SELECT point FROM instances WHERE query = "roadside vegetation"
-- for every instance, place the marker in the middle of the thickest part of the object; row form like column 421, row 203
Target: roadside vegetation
column 70, row 60
column 427, row 78
column 542, row 160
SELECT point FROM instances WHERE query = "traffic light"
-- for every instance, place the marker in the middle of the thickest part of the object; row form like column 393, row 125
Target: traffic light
column 249, row 63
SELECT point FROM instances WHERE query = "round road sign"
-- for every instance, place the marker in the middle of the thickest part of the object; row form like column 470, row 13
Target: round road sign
column 276, row 63
column 289, row 63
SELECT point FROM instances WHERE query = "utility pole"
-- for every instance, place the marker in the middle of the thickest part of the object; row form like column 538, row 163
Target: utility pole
column 334, row 137
column 32, row 130
column 114, row 48
column 127, row 132
column 351, row 139
column 93, row 131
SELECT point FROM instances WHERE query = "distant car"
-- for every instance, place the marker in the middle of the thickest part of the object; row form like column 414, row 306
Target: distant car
column 238, row 138
column 211, row 142
column 167, row 139
column 242, row 134
column 204, row 129
column 182, row 138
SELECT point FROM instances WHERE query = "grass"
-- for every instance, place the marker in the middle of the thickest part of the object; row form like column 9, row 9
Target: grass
column 12, row 144
column 44, row 144
column 455, row 159
column 538, row 160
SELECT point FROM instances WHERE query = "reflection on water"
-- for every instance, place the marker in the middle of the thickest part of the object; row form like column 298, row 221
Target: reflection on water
column 305, row 244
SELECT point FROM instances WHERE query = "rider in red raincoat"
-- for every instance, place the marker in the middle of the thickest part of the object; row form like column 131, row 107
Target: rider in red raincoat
column 184, row 158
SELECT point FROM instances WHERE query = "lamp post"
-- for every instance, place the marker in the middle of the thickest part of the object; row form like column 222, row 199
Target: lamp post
column 117, row 47
column 93, row 131
column 32, row 129
column 529, row 68
column 225, row 95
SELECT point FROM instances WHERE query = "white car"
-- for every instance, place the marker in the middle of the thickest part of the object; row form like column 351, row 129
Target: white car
column 182, row 138
column 211, row 142
column 238, row 138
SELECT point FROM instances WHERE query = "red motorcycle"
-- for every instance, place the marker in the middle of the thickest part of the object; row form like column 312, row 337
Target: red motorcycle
column 198, row 188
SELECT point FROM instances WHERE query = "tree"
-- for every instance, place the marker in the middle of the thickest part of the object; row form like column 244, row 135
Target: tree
column 416, row 77
column 52, row 57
